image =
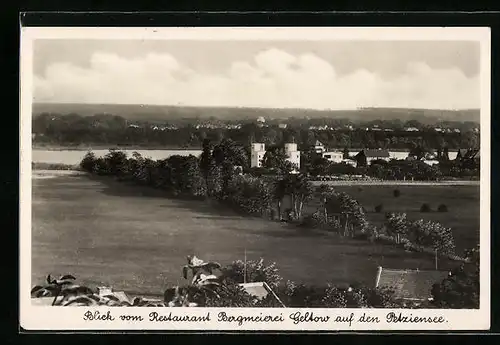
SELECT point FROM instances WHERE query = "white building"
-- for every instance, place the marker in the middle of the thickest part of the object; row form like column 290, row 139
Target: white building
column 334, row 156
column 350, row 162
column 411, row 129
column 319, row 147
column 431, row 161
column 292, row 154
column 258, row 150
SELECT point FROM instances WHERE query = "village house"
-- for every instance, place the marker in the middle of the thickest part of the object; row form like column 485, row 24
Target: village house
column 334, row 156
column 258, row 150
column 370, row 155
column 412, row 285
column 319, row 147
column 293, row 155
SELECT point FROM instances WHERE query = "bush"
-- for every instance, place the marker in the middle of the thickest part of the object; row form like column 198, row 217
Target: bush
column 344, row 203
column 305, row 296
column 397, row 225
column 433, row 235
column 379, row 208
column 442, row 208
column 256, row 271
column 425, row 208
column 88, row 162
column 249, row 194
column 396, row 193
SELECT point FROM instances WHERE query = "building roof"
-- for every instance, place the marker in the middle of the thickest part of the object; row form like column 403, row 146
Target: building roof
column 260, row 290
column 467, row 153
column 257, row 289
column 318, row 143
column 409, row 284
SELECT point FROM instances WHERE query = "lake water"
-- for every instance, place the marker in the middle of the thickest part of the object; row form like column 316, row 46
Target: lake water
column 75, row 156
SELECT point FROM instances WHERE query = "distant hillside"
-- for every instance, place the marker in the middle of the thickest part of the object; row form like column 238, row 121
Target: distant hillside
column 163, row 113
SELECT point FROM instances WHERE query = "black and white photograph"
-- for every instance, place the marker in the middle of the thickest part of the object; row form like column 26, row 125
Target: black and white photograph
column 264, row 169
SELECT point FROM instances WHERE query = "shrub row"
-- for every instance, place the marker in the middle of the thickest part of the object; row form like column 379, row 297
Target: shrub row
column 420, row 233
column 206, row 289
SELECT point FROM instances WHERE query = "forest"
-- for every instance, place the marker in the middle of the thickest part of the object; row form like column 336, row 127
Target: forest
column 69, row 130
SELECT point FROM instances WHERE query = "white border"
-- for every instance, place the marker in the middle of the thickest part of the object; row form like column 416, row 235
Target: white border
column 46, row 318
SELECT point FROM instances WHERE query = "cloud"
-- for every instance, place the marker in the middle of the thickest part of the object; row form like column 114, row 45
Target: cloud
column 271, row 78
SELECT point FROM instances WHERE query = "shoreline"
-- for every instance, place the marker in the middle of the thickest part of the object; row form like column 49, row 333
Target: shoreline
column 106, row 147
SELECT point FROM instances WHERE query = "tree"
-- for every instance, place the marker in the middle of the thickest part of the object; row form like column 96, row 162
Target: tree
column 460, row 290
column 325, row 191
column 250, row 194
column 445, row 156
column 350, row 209
column 88, row 162
column 361, row 159
column 377, row 170
column 320, row 166
column 280, row 189
column 432, row 235
column 439, row 154
column 418, row 152
column 346, row 153
column 206, row 157
column 214, row 180
column 300, row 190
column 255, row 271
column 194, row 183
column 397, row 225
column 275, row 159
column 116, row 162
column 227, row 154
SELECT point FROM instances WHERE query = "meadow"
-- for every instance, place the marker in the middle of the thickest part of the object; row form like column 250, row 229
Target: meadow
column 462, row 202
column 137, row 239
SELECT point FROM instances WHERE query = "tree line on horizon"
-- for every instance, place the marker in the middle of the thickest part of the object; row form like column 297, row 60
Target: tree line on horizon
column 112, row 130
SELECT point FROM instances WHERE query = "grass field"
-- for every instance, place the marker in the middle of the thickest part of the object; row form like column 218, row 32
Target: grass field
column 136, row 239
column 462, row 203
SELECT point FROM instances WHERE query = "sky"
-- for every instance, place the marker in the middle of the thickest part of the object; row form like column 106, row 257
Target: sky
column 270, row 74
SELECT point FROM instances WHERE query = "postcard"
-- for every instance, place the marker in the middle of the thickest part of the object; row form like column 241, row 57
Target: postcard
column 255, row 178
